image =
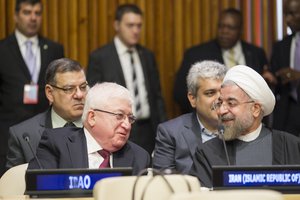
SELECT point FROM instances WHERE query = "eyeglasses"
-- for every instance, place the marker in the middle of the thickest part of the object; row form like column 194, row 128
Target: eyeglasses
column 119, row 116
column 72, row 89
column 230, row 104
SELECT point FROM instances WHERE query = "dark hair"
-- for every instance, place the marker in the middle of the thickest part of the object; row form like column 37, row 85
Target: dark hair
column 235, row 12
column 31, row 2
column 61, row 65
column 127, row 8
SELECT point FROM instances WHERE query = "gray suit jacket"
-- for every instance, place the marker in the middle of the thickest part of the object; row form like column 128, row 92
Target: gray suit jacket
column 176, row 143
column 18, row 149
column 67, row 148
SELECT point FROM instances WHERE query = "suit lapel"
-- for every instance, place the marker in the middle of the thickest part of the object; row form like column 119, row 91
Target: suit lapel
column 78, row 149
column 116, row 64
column 45, row 122
column 218, row 52
column 144, row 66
column 44, row 58
column 191, row 133
column 248, row 56
column 123, row 158
column 15, row 50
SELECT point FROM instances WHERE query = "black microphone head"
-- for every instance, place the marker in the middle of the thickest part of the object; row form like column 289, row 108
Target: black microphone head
column 221, row 129
column 26, row 137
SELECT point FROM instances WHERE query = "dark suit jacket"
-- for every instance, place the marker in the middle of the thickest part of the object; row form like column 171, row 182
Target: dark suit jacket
column 176, row 143
column 13, row 76
column 280, row 59
column 67, row 148
column 18, row 149
column 255, row 58
column 104, row 66
column 285, row 150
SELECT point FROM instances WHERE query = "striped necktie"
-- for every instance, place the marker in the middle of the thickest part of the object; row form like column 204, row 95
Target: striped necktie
column 137, row 100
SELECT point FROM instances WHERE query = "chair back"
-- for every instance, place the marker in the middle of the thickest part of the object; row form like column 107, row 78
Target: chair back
column 230, row 195
column 12, row 181
column 144, row 187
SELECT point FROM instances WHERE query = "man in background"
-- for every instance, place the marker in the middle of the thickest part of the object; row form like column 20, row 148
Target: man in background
column 125, row 62
column 66, row 88
column 228, row 48
column 24, row 58
column 102, row 142
column 285, row 62
column 177, row 139
column 245, row 98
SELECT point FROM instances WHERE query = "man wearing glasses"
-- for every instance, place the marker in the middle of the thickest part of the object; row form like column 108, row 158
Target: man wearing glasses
column 66, row 88
column 245, row 98
column 102, row 142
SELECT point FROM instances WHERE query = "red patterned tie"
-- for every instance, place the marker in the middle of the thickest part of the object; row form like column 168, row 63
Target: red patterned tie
column 105, row 154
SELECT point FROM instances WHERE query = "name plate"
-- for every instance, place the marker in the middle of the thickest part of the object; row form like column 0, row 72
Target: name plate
column 67, row 182
column 282, row 178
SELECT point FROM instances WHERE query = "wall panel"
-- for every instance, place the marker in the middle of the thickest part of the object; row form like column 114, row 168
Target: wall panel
column 170, row 27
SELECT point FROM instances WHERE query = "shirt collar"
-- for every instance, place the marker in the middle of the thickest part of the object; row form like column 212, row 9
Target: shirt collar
column 204, row 130
column 58, row 121
column 237, row 48
column 121, row 47
column 22, row 38
column 251, row 136
column 92, row 145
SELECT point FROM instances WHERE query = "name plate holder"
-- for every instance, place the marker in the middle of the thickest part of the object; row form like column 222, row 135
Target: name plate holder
column 283, row 178
column 42, row 183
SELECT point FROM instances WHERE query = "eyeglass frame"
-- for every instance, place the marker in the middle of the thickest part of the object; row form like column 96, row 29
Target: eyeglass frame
column 217, row 105
column 119, row 116
column 72, row 89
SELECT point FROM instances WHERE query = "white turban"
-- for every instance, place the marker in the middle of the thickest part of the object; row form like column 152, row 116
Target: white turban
column 254, row 85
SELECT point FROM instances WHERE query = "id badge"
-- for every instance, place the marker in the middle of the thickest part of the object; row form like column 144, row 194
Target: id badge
column 30, row 94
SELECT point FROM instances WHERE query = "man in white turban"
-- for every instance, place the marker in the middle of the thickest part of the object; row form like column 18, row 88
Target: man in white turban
column 245, row 98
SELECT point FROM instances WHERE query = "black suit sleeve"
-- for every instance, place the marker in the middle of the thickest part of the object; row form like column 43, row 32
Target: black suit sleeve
column 201, row 168
column 46, row 153
column 15, row 155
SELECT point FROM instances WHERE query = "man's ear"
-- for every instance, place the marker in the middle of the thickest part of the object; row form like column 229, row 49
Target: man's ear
column 192, row 99
column 91, row 120
column 49, row 93
column 256, row 110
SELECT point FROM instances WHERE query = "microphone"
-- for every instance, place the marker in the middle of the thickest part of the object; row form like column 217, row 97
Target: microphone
column 27, row 139
column 221, row 133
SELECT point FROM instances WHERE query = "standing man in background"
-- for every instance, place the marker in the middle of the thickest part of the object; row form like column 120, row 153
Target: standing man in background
column 66, row 88
column 285, row 62
column 125, row 62
column 227, row 48
column 24, row 58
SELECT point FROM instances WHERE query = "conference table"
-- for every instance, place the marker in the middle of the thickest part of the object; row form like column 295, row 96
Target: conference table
column 25, row 197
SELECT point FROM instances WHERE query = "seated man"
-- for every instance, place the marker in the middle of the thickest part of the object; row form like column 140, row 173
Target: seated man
column 177, row 139
column 65, row 89
column 245, row 98
column 107, row 118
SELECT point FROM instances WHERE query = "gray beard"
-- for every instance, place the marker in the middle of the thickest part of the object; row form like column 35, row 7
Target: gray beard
column 239, row 126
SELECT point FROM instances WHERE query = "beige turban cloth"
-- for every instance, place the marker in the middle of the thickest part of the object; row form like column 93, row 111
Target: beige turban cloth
column 254, row 85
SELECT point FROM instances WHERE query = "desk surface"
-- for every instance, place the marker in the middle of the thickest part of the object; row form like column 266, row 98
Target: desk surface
column 25, row 197
column 291, row 196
